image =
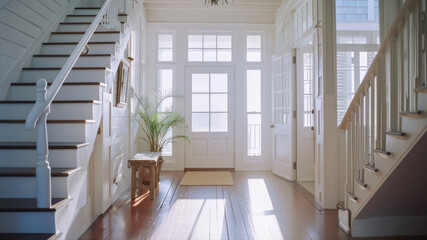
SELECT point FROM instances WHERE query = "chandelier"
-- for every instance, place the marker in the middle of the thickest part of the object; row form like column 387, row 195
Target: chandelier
column 216, row 2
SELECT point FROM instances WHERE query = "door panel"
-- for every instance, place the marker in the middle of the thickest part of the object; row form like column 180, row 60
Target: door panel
column 305, row 116
column 284, row 121
column 210, row 117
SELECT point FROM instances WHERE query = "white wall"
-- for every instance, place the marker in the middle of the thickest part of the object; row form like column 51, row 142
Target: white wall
column 176, row 162
column 24, row 25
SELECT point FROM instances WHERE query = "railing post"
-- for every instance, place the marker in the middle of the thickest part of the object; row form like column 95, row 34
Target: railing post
column 43, row 181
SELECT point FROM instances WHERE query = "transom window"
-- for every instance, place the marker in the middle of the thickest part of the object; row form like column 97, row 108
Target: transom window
column 209, row 102
column 304, row 17
column 209, row 48
column 253, row 48
column 165, row 47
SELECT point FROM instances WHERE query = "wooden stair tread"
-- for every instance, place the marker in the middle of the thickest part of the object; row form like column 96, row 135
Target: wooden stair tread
column 32, row 145
column 87, row 8
column 351, row 196
column 29, row 236
column 370, row 168
column 415, row 114
column 361, row 183
column 98, row 32
column 54, row 101
column 80, row 23
column 68, row 55
column 340, row 205
column 74, row 68
column 75, row 43
column 65, row 83
column 49, row 121
column 382, row 152
column 31, row 172
column 30, row 204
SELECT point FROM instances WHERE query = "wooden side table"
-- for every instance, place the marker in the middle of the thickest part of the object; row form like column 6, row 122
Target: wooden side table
column 138, row 163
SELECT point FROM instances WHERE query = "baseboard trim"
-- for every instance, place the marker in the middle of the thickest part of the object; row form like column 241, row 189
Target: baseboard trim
column 209, row 169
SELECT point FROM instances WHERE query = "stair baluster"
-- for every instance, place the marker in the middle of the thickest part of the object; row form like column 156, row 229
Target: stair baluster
column 43, row 177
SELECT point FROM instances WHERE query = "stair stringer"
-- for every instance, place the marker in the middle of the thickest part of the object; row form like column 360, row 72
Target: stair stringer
column 74, row 218
column 415, row 129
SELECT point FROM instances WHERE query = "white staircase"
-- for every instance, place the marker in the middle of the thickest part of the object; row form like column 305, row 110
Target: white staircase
column 385, row 123
column 72, row 125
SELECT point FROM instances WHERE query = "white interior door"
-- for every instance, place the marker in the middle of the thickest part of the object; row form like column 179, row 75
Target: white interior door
column 284, row 121
column 305, row 116
column 210, row 117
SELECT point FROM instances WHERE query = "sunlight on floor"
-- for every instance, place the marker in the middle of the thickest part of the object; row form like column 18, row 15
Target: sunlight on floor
column 264, row 219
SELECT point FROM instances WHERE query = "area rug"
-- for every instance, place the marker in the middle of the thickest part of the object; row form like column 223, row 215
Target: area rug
column 207, row 178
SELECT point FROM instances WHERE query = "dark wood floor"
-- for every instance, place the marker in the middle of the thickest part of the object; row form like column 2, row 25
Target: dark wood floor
column 259, row 206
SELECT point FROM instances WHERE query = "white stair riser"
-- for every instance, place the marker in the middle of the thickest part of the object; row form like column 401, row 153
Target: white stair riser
column 27, row 222
column 93, row 75
column 97, row 37
column 79, row 19
column 101, row 61
column 85, row 11
column 62, row 111
column 58, row 158
column 57, row 132
column 67, row 92
column 78, row 27
column 25, row 187
column 68, row 49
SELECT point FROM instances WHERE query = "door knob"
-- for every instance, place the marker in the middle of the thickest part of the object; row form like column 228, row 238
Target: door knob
column 272, row 126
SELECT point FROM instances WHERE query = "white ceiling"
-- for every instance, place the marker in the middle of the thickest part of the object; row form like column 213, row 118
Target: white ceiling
column 193, row 11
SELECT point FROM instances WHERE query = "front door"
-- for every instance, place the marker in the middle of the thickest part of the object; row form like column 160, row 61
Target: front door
column 305, row 114
column 210, row 117
column 284, row 121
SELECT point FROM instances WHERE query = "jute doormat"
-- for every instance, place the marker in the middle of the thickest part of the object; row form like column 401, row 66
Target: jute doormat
column 207, row 178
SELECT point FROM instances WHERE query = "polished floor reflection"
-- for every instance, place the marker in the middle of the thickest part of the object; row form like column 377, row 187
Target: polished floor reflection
column 259, row 206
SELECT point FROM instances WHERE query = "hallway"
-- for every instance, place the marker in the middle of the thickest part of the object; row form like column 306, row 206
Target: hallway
column 259, row 206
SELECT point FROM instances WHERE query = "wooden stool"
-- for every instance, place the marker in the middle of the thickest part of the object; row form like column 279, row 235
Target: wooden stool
column 138, row 163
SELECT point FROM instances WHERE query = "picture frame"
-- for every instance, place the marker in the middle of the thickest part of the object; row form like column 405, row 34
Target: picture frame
column 123, row 75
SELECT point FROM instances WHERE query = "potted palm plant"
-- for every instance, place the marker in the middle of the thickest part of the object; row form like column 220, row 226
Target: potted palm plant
column 157, row 124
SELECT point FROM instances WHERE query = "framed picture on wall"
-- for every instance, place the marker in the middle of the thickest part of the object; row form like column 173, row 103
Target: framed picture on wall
column 123, row 75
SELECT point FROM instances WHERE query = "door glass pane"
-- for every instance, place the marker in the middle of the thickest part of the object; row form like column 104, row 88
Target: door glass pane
column 253, row 95
column 219, row 103
column 200, row 103
column 254, row 134
column 219, row 122
column 219, row 82
column 200, row 122
column 200, row 83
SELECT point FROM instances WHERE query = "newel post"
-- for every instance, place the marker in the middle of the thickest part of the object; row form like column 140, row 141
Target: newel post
column 43, row 180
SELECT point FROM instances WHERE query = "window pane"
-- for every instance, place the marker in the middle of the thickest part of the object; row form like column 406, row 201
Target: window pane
column 224, row 41
column 253, row 85
column 219, row 82
column 200, row 103
column 165, row 41
column 194, row 55
column 200, row 122
column 254, row 135
column 219, row 103
column 253, row 55
column 253, row 41
column 219, row 122
column 165, row 87
column 200, row 83
column 195, row 41
column 209, row 41
column 167, row 149
column 165, row 55
column 209, row 55
column 224, row 55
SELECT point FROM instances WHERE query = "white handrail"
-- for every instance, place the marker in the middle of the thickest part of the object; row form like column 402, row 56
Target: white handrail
column 107, row 16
